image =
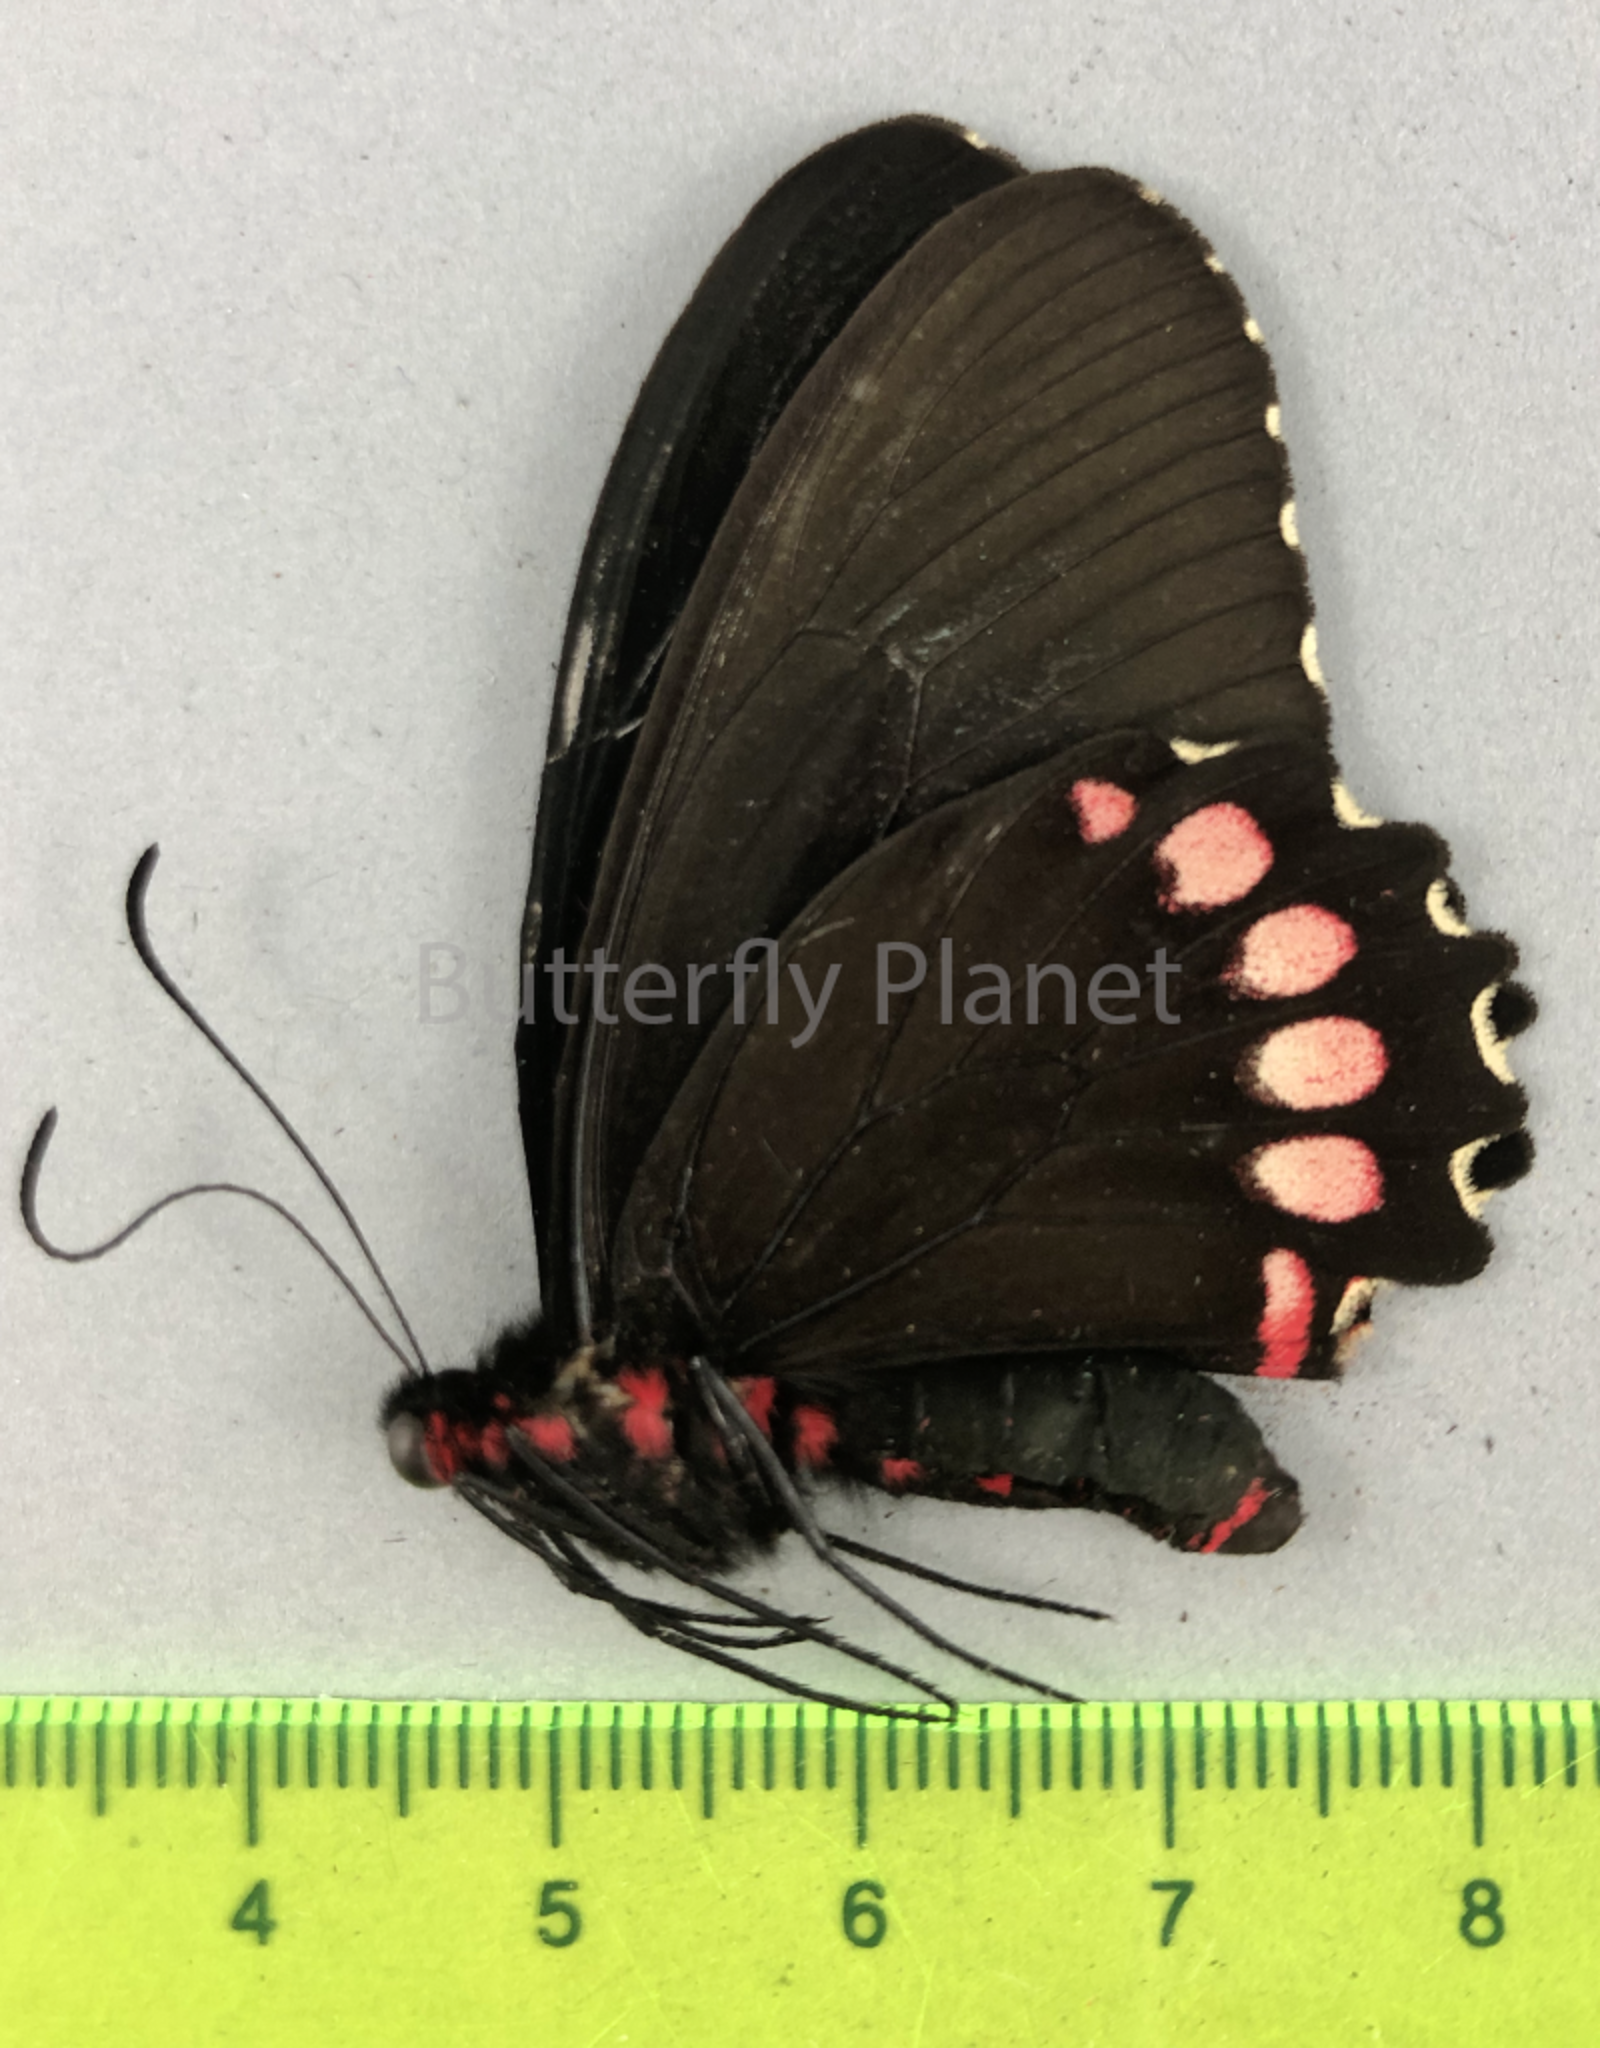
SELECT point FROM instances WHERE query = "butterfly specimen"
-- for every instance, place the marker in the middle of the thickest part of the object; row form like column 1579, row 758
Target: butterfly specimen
column 963, row 1009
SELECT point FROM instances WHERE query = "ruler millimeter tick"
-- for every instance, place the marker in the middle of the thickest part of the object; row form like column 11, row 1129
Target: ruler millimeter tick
column 258, row 1870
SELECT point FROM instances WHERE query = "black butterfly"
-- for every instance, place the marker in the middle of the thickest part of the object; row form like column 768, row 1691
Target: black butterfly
column 945, row 595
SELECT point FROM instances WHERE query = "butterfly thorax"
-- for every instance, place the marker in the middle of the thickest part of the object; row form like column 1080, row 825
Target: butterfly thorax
column 618, row 1452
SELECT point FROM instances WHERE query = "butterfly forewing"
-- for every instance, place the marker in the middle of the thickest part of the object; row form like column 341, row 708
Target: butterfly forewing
column 1030, row 493
column 771, row 302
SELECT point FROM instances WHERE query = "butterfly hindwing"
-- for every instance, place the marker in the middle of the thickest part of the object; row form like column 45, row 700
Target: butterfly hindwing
column 1272, row 1110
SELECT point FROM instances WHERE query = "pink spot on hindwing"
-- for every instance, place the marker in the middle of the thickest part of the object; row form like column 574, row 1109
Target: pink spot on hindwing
column 1290, row 952
column 1284, row 1331
column 1214, row 856
column 1104, row 810
column 1318, row 1063
column 1327, row 1179
column 998, row 1483
column 897, row 1472
column 551, row 1436
column 815, row 1434
column 644, row 1420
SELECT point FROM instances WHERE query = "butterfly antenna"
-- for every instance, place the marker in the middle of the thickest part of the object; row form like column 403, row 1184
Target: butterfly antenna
column 730, row 1413
column 138, row 931
column 29, row 1201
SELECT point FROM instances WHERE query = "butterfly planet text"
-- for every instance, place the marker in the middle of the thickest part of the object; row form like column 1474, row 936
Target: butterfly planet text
column 976, row 993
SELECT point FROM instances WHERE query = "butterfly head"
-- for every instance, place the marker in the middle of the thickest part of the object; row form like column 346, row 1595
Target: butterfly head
column 444, row 1426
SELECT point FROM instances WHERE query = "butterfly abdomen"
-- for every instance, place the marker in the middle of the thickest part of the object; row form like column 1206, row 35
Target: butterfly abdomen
column 1143, row 1437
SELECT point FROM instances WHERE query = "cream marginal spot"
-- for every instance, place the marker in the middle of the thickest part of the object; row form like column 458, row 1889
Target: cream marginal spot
column 1348, row 811
column 1472, row 1198
column 1491, row 1046
column 1356, row 1299
column 1308, row 658
column 1446, row 917
column 1192, row 752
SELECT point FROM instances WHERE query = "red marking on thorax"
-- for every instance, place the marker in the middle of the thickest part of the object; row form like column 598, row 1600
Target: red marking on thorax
column 551, row 1436
column 815, row 1434
column 1327, row 1179
column 1290, row 953
column 1284, row 1331
column 1214, row 856
column 996, row 1483
column 1319, row 1063
column 1104, row 810
column 1250, row 1503
column 644, row 1420
column 899, row 1472
column 758, row 1396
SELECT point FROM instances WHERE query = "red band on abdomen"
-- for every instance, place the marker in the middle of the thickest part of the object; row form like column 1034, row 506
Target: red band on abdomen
column 1251, row 1502
column 815, row 1434
column 758, row 1396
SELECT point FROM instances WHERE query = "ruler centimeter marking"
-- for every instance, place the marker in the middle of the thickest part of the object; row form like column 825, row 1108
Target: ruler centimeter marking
column 411, row 1746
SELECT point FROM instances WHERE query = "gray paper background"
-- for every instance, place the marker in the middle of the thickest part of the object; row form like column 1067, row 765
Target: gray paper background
column 318, row 327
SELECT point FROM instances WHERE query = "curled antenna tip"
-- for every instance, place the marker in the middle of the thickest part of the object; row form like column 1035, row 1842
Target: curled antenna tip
column 139, row 881
column 28, row 1197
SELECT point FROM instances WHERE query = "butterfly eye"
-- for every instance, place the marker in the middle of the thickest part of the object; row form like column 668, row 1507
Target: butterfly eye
column 407, row 1437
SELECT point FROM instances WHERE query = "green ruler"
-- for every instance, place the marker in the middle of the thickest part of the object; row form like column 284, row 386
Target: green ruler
column 344, row 1871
